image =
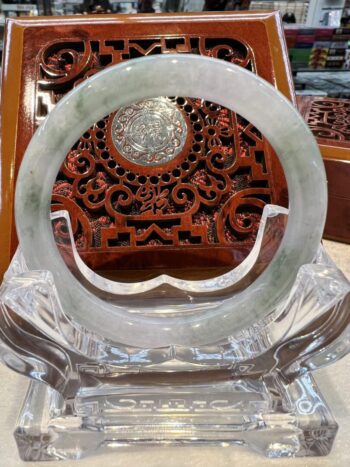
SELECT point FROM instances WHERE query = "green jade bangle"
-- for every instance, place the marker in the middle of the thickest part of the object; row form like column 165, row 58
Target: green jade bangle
column 173, row 75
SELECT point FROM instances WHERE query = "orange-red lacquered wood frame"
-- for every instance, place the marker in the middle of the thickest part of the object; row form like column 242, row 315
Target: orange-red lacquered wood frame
column 329, row 120
column 45, row 57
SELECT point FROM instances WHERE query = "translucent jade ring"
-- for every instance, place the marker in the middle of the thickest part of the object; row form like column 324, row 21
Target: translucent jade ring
column 173, row 75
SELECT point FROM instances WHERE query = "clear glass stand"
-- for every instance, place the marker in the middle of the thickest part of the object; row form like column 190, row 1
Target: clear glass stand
column 254, row 388
column 269, row 415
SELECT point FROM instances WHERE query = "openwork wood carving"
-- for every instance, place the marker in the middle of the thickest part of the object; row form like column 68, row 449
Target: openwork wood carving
column 330, row 119
column 209, row 189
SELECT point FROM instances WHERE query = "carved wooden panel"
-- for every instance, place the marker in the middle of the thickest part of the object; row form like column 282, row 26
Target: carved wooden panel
column 64, row 64
column 198, row 206
column 212, row 193
column 329, row 120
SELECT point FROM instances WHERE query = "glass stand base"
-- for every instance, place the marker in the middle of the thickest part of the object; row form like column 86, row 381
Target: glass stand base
column 275, row 417
column 253, row 388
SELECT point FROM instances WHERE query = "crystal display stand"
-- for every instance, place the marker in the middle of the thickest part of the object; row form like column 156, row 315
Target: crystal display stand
column 225, row 360
column 253, row 390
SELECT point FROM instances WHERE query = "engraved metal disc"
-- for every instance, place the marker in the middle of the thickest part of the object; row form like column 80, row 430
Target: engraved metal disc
column 150, row 132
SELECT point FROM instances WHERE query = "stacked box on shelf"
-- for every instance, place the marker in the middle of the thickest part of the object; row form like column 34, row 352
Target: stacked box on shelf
column 319, row 54
column 305, row 41
column 346, row 65
column 341, row 46
column 291, row 41
column 291, row 37
column 324, row 34
column 341, row 34
column 300, row 57
column 318, row 48
column 300, row 42
column 336, row 54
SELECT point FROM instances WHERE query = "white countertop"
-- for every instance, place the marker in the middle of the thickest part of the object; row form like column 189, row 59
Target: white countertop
column 334, row 383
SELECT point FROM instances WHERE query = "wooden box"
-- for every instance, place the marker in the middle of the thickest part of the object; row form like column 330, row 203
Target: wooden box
column 229, row 167
column 329, row 120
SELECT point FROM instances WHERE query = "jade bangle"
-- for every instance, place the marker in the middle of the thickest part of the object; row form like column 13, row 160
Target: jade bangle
column 173, row 75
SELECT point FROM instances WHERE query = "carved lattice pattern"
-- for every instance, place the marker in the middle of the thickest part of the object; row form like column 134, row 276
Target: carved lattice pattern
column 330, row 119
column 211, row 194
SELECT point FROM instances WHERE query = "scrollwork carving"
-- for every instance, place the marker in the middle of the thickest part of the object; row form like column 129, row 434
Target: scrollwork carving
column 330, row 119
column 208, row 189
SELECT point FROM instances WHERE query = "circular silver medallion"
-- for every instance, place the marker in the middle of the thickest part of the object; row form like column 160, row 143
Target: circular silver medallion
column 150, row 132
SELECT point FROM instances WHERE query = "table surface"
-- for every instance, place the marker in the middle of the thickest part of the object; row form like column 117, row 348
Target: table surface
column 333, row 381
